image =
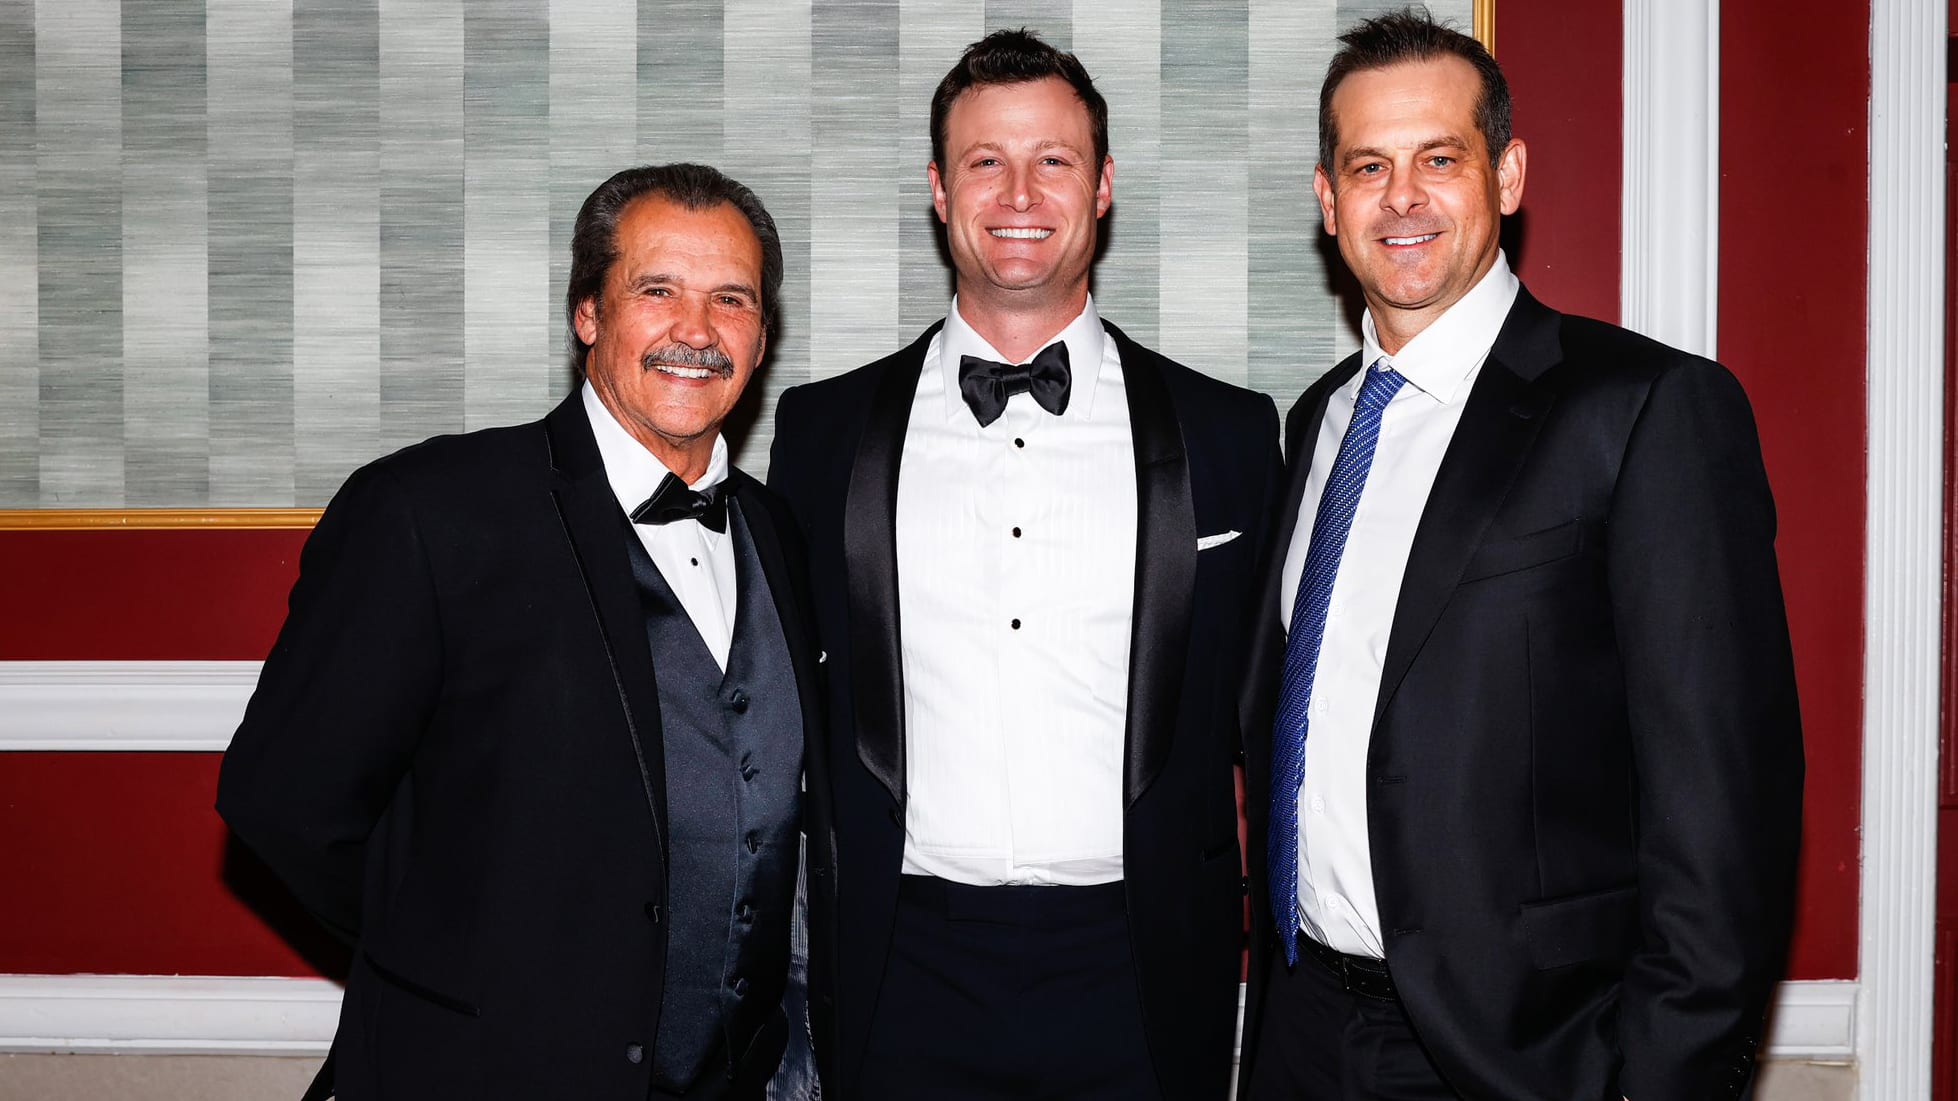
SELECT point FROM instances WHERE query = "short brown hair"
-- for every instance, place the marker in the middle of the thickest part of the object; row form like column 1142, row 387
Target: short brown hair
column 1015, row 57
column 1411, row 34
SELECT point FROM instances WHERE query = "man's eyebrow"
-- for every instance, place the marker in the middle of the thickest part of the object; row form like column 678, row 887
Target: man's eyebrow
column 666, row 279
column 1361, row 152
column 996, row 149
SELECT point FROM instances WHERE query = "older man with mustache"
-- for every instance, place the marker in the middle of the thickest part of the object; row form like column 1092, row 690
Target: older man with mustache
column 534, row 733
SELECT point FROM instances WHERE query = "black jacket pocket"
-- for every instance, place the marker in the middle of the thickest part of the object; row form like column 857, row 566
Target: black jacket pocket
column 1598, row 925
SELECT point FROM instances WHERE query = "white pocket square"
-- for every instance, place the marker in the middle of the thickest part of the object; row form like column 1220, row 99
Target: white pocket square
column 1205, row 542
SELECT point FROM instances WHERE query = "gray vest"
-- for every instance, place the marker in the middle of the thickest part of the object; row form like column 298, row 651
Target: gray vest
column 733, row 751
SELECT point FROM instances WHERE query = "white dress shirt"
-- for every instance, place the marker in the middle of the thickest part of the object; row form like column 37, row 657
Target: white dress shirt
column 1336, row 901
column 1016, row 580
column 697, row 563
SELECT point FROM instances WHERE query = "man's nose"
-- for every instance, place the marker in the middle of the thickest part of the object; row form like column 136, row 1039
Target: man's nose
column 1405, row 191
column 694, row 323
column 1019, row 192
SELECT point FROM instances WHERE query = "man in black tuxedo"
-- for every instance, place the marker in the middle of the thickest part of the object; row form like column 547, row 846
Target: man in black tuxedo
column 533, row 735
column 1036, row 829
column 1523, row 758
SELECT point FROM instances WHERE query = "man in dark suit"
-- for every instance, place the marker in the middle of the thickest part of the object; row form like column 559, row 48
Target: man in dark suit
column 533, row 735
column 1036, row 832
column 1523, row 758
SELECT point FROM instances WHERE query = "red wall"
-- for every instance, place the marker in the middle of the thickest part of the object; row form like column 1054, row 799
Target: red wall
column 94, row 837
column 1794, row 246
column 115, row 862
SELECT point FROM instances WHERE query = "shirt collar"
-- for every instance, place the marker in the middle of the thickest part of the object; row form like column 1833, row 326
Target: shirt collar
column 1086, row 342
column 633, row 471
column 1445, row 354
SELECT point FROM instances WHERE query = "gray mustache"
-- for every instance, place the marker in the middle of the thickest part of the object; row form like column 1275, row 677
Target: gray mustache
column 679, row 355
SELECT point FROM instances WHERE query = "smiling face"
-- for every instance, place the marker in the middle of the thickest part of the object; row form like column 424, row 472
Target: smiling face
column 1413, row 196
column 678, row 331
column 1020, row 193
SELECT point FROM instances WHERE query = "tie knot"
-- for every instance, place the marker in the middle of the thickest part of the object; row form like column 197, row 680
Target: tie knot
column 674, row 500
column 1380, row 386
column 986, row 384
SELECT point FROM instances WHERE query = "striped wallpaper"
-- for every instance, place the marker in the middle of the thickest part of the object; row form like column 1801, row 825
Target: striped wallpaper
column 247, row 245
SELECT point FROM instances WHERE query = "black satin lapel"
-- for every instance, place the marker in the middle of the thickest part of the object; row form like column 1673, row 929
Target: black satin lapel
column 1165, row 570
column 1266, row 657
column 787, row 588
column 870, row 551
column 1500, row 422
column 596, row 529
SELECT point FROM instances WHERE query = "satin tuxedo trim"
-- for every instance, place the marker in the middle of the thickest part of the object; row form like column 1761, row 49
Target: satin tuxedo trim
column 1166, row 560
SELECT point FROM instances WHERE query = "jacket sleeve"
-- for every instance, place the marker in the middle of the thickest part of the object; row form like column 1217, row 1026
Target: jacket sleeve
column 1716, row 736
column 341, row 702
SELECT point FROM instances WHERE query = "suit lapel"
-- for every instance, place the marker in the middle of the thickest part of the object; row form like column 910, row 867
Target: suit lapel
column 596, row 529
column 1505, row 411
column 785, row 587
column 870, row 551
column 1165, row 567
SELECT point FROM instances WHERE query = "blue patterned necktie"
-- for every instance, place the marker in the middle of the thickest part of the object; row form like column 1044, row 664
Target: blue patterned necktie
column 1330, row 525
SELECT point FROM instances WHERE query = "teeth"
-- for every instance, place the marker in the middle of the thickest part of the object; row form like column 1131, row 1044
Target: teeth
column 684, row 372
column 1022, row 234
column 1412, row 240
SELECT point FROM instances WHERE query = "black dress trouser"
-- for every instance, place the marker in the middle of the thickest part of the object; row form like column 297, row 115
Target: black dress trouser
column 1008, row 993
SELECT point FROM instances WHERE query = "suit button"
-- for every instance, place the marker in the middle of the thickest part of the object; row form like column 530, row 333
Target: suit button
column 746, row 913
column 749, row 772
column 754, row 842
column 740, row 987
column 652, row 912
column 738, row 701
column 635, row 1054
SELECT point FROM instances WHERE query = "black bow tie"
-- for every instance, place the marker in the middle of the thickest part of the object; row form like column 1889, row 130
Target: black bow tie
column 985, row 385
column 674, row 501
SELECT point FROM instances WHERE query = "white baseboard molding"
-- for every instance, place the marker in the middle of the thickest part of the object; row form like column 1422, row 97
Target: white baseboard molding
column 122, row 706
column 167, row 1015
column 180, row 1015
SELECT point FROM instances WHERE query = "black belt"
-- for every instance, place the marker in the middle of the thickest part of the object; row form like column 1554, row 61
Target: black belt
column 1360, row 975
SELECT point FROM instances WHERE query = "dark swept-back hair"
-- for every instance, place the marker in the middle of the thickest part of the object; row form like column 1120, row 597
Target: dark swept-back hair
column 595, row 236
column 1411, row 34
column 1015, row 57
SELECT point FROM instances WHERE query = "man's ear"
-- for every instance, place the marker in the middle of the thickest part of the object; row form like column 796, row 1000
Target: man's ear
column 1322, row 186
column 937, row 180
column 1509, row 175
column 585, row 321
column 1105, row 187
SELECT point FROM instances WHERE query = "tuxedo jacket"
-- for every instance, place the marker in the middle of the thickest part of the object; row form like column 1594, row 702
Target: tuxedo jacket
column 454, row 758
column 1585, row 768
column 1206, row 462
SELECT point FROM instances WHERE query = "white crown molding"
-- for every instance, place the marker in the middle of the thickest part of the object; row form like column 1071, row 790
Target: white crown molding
column 180, row 1015
column 1905, row 556
column 1669, row 284
column 167, row 1015
column 190, row 706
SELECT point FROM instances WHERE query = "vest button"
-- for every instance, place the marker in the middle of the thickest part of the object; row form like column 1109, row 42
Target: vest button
column 652, row 912
column 740, row 988
column 754, row 842
column 635, row 1054
column 738, row 701
column 749, row 772
column 745, row 913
